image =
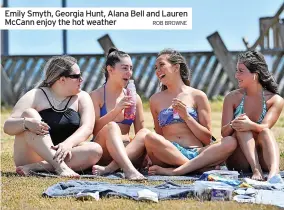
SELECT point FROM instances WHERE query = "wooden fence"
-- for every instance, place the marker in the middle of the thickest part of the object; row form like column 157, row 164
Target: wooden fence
column 21, row 73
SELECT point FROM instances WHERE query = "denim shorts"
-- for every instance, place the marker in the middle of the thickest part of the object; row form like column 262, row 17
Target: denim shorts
column 189, row 153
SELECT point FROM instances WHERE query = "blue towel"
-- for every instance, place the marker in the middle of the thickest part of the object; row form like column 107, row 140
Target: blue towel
column 168, row 190
column 120, row 175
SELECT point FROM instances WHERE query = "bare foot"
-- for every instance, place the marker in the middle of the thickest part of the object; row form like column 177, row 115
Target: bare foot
column 134, row 175
column 67, row 172
column 257, row 175
column 147, row 162
column 100, row 170
column 23, row 170
column 157, row 170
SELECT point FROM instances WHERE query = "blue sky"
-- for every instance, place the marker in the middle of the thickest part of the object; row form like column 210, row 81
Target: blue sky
column 232, row 19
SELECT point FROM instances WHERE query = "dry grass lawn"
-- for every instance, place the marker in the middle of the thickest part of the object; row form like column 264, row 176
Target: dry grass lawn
column 25, row 192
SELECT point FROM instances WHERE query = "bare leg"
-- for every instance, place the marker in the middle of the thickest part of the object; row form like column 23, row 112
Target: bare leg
column 134, row 150
column 212, row 154
column 83, row 157
column 248, row 146
column 162, row 152
column 270, row 152
column 237, row 161
column 110, row 139
column 38, row 144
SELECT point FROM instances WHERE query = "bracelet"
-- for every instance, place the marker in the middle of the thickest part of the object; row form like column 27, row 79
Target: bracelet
column 24, row 126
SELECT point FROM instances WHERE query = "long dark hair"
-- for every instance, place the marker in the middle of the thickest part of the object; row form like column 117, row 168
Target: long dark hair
column 114, row 56
column 174, row 57
column 255, row 63
column 55, row 67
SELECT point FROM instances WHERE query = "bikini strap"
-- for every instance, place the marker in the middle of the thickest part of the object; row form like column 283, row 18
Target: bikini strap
column 243, row 99
column 46, row 97
column 68, row 102
column 104, row 94
column 263, row 100
column 58, row 110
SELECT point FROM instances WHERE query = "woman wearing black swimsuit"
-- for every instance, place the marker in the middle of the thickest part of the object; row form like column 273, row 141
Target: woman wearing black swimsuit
column 51, row 123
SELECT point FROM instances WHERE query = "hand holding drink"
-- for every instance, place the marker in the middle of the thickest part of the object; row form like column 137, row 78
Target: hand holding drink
column 129, row 113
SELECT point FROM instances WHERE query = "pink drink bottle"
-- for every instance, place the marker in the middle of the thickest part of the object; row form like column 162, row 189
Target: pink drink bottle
column 175, row 115
column 129, row 113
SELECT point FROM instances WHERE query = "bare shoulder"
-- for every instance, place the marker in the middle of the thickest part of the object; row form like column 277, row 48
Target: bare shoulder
column 97, row 94
column 155, row 98
column 138, row 97
column 32, row 94
column 235, row 95
column 197, row 94
column 31, row 99
column 83, row 94
column 272, row 98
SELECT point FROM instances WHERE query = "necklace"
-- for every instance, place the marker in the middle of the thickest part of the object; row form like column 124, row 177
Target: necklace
column 58, row 105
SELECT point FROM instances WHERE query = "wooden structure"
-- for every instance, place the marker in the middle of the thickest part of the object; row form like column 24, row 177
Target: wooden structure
column 212, row 72
column 21, row 73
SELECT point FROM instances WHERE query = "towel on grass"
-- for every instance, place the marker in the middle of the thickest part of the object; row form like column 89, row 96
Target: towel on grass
column 168, row 190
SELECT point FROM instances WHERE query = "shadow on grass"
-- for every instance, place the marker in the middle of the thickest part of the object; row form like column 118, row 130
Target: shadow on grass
column 8, row 174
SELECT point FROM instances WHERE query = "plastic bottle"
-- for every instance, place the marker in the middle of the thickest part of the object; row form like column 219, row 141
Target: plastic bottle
column 175, row 115
column 129, row 113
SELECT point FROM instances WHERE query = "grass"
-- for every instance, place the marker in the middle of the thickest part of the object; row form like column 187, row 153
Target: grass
column 25, row 192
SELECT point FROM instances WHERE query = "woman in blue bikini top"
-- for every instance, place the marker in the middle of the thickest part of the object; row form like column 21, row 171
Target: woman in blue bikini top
column 182, row 122
column 248, row 115
column 111, row 130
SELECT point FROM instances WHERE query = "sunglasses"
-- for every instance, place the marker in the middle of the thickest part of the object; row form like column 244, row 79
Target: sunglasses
column 74, row 76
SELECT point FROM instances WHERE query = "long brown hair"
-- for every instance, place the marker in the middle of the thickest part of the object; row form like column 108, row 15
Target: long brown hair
column 255, row 63
column 174, row 57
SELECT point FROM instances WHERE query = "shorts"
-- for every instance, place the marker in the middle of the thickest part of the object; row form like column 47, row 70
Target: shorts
column 189, row 153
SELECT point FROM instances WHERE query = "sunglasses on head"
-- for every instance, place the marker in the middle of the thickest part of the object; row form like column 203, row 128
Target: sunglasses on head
column 74, row 76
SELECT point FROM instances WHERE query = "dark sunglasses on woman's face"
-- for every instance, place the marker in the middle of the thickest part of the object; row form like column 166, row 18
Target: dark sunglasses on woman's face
column 74, row 76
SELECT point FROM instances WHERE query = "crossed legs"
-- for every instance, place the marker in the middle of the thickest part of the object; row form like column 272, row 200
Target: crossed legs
column 162, row 153
column 33, row 152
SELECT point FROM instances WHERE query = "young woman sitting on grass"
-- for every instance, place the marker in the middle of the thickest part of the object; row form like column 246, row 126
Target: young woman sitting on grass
column 249, row 113
column 111, row 130
column 182, row 119
column 52, row 122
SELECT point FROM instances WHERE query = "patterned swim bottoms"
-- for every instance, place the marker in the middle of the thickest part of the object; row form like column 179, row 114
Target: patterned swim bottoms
column 189, row 153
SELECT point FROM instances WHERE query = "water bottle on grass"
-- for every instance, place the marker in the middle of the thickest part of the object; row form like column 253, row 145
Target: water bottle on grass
column 129, row 113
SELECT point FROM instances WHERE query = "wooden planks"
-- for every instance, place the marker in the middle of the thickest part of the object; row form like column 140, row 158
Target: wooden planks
column 208, row 73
